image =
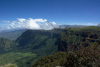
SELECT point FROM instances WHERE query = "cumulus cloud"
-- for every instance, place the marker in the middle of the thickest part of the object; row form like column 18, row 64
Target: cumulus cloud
column 32, row 24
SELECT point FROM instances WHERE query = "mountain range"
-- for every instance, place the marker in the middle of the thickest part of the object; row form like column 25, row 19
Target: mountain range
column 31, row 45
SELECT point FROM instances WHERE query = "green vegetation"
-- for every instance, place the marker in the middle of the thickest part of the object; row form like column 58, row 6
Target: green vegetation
column 5, row 45
column 40, row 42
column 77, row 44
column 9, row 65
column 75, row 38
column 85, row 57
column 52, row 61
column 82, row 47
column 21, row 59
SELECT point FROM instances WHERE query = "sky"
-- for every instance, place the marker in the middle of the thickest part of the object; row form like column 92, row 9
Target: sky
column 69, row 12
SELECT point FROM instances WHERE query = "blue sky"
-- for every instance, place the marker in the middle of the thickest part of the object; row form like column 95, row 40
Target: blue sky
column 71, row 12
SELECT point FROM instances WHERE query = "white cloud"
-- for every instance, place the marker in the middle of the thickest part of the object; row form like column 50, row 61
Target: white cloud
column 32, row 24
column 40, row 20
column 21, row 19
column 53, row 23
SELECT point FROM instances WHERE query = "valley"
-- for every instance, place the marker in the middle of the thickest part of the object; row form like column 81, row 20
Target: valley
column 48, row 48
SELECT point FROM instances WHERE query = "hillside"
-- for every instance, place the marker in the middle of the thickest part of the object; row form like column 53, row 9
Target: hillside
column 5, row 45
column 18, row 58
column 38, row 40
column 85, row 57
column 81, row 47
column 75, row 38
column 11, row 34
column 33, row 45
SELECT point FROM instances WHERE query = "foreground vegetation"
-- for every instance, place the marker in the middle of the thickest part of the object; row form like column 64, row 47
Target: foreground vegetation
column 81, row 48
column 18, row 58
column 85, row 57
column 78, row 46
column 9, row 65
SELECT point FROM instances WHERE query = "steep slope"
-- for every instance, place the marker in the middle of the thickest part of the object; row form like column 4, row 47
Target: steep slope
column 5, row 45
column 38, row 41
column 76, row 38
column 46, row 42
column 85, row 57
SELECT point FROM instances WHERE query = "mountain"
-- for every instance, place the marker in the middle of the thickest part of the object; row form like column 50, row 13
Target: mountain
column 38, row 41
column 15, row 33
column 71, row 26
column 33, row 45
column 11, row 34
column 80, row 46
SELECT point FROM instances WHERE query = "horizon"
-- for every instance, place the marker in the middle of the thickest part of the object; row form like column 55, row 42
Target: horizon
column 34, row 14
